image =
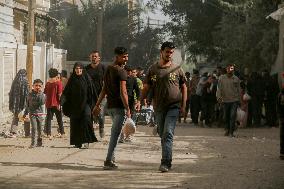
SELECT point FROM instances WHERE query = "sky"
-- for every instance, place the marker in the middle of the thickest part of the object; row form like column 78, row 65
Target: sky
column 157, row 15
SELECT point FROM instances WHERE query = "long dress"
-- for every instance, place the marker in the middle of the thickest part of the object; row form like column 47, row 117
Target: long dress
column 79, row 91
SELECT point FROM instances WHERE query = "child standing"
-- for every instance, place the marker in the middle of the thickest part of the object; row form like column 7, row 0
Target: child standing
column 35, row 102
column 53, row 91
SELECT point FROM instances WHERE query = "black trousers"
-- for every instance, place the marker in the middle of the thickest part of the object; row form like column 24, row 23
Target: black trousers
column 49, row 117
column 194, row 108
column 282, row 135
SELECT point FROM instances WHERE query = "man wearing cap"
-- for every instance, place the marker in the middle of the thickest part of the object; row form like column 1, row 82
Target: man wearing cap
column 167, row 80
column 114, row 88
column 228, row 93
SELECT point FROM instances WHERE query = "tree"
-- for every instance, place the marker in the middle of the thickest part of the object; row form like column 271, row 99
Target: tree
column 146, row 50
column 79, row 38
column 193, row 23
column 115, row 28
column 80, row 34
column 248, row 39
column 228, row 31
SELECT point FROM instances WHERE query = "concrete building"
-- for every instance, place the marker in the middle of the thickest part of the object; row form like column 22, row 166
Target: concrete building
column 13, row 49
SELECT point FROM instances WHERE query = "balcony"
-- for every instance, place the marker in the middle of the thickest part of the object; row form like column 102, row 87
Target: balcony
column 40, row 4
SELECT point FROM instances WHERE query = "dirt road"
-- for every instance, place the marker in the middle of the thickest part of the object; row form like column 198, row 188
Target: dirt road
column 203, row 159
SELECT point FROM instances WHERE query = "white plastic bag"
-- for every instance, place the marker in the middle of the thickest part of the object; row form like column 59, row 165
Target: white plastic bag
column 129, row 127
column 240, row 115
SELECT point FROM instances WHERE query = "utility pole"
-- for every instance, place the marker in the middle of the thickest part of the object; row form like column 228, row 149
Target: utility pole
column 130, row 19
column 100, row 27
column 30, row 41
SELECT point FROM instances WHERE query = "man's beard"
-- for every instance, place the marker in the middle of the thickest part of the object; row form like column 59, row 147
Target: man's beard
column 166, row 59
column 230, row 73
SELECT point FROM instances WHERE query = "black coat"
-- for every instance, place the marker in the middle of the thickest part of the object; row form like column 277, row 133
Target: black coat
column 78, row 103
column 19, row 92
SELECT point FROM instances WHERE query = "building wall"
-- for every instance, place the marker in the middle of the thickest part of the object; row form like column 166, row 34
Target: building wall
column 7, row 73
column 6, row 22
column 13, row 58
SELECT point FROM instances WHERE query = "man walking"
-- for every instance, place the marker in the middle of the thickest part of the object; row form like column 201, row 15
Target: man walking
column 228, row 93
column 114, row 88
column 167, row 80
column 194, row 98
column 96, row 71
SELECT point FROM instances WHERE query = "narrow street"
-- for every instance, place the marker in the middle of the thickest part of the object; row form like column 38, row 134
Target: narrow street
column 203, row 159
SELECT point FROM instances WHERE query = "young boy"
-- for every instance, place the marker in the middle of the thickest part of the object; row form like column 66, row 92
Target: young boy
column 35, row 102
column 53, row 91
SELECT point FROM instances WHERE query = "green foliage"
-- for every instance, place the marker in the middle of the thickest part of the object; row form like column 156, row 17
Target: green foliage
column 80, row 36
column 115, row 28
column 81, row 31
column 145, row 50
column 249, row 40
column 225, row 31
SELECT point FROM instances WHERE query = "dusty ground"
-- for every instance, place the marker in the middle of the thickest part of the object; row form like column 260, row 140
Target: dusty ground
column 202, row 158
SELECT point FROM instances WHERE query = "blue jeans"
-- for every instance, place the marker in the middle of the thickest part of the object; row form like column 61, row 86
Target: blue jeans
column 36, row 123
column 230, row 110
column 100, row 119
column 166, row 121
column 118, row 117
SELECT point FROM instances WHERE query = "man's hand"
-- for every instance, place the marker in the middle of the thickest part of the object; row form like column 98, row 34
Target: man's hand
column 128, row 114
column 182, row 111
column 138, row 106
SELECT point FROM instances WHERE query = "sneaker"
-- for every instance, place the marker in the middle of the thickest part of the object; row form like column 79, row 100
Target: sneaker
column 49, row 137
column 32, row 146
column 226, row 133
column 85, row 146
column 128, row 139
column 108, row 165
column 121, row 140
column 11, row 135
column 78, row 146
column 39, row 142
column 163, row 168
column 58, row 135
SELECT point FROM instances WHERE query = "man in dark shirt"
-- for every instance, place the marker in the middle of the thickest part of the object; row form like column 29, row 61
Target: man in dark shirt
column 117, row 100
column 133, row 93
column 167, row 80
column 133, row 90
column 96, row 71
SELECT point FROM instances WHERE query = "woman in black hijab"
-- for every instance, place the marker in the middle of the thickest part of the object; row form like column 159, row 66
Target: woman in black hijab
column 17, row 97
column 78, row 94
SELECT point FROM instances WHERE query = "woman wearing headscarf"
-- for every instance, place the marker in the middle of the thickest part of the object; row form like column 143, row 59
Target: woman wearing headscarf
column 78, row 94
column 17, row 98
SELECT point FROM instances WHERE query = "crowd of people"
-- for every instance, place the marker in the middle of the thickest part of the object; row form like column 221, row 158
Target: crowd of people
column 255, row 94
column 90, row 91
